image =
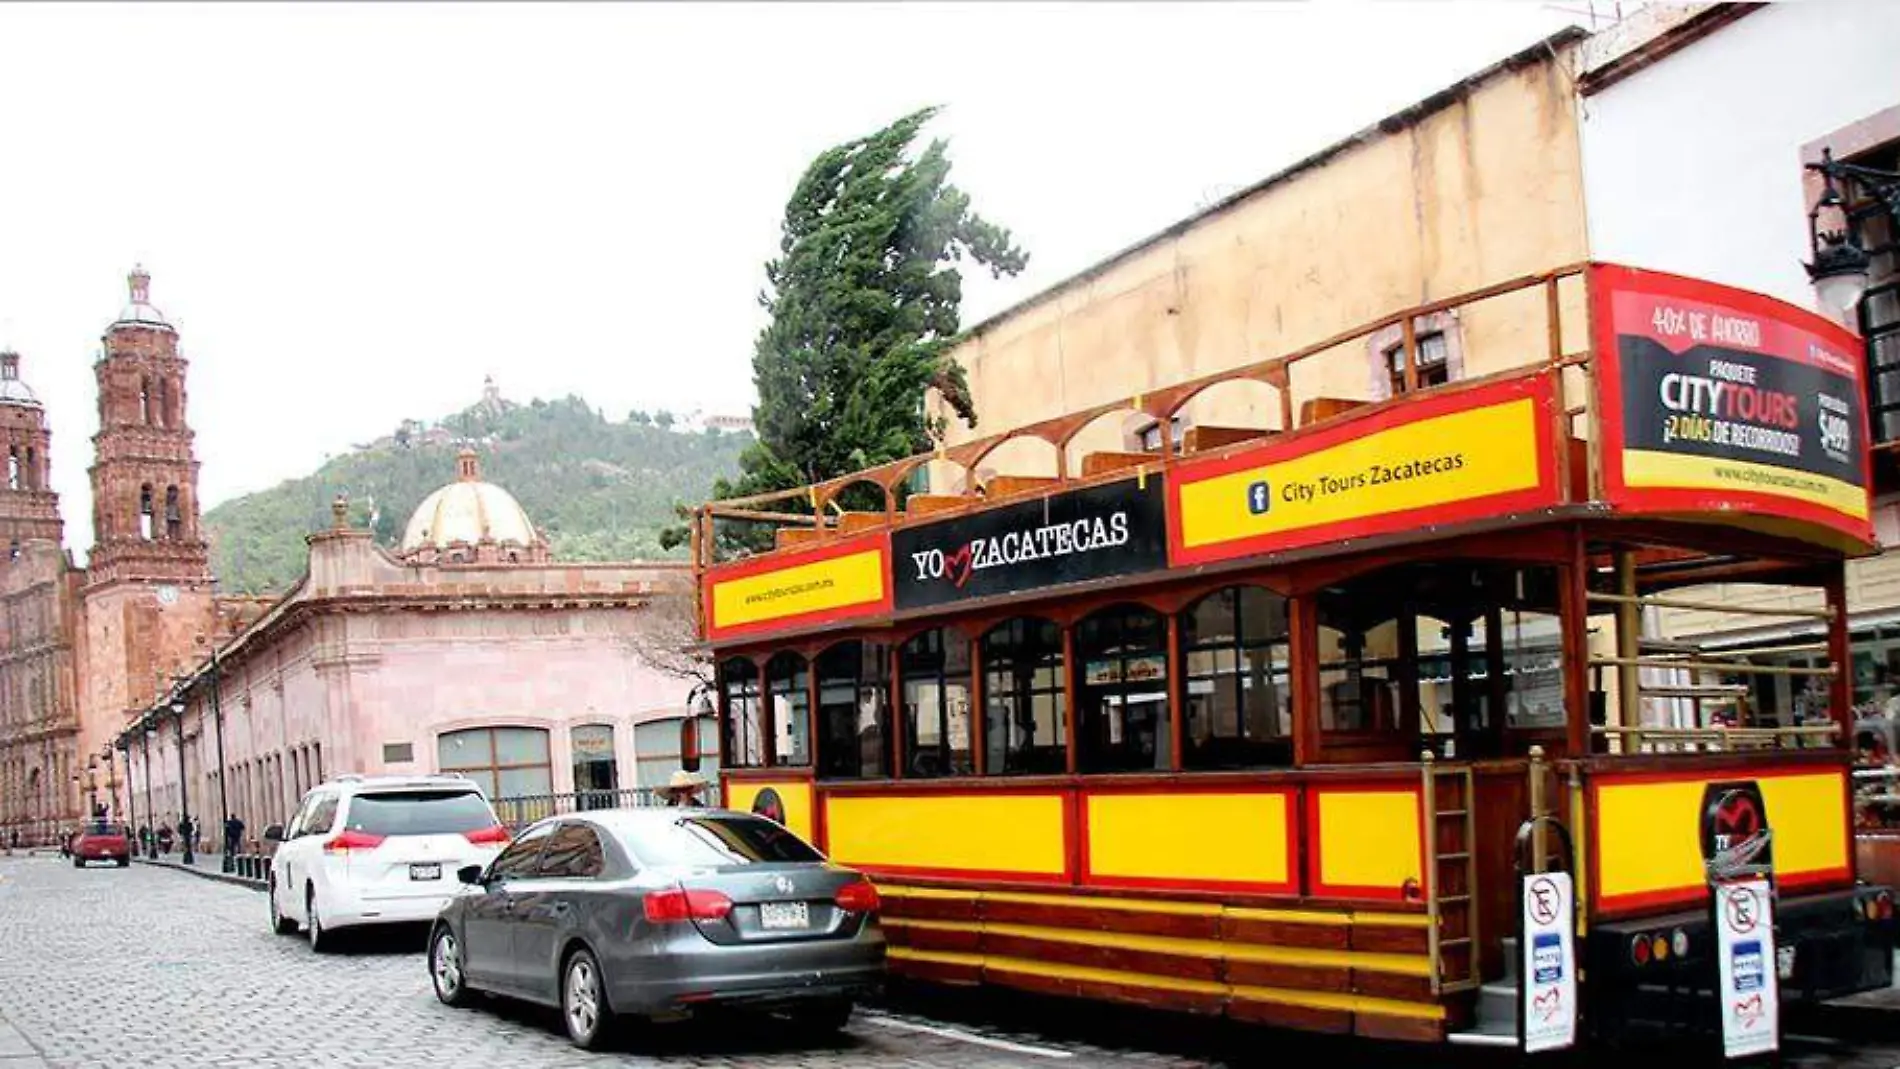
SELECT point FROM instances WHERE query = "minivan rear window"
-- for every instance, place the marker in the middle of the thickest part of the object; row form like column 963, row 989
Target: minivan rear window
column 418, row 813
column 700, row 841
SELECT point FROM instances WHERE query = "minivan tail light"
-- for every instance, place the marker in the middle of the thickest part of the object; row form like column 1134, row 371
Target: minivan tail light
column 858, row 897
column 495, row 836
column 347, row 841
column 677, row 904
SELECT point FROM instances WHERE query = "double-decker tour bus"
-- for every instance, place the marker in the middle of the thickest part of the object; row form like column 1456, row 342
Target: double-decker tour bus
column 1259, row 722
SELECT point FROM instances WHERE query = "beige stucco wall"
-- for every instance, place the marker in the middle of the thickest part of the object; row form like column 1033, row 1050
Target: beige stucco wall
column 1484, row 189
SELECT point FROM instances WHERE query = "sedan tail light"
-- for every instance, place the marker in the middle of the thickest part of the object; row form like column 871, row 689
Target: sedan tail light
column 495, row 836
column 677, row 904
column 858, row 897
column 347, row 841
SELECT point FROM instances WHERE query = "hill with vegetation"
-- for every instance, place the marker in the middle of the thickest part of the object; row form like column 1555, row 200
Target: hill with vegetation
column 599, row 489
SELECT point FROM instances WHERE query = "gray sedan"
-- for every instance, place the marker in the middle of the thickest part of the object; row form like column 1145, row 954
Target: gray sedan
column 660, row 913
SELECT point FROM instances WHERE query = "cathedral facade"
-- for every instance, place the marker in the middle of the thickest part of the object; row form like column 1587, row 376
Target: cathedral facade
column 83, row 650
column 130, row 687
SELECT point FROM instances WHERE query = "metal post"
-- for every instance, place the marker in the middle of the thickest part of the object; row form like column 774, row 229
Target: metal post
column 184, row 793
column 151, row 815
column 131, row 803
column 224, row 796
column 1540, row 848
column 1628, row 627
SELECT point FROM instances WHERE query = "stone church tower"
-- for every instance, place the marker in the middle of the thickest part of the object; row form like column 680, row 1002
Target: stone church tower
column 149, row 606
column 29, row 509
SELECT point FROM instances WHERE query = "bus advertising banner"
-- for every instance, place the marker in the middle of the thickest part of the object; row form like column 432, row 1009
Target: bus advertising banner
column 844, row 580
column 1717, row 399
column 1100, row 532
column 1444, row 458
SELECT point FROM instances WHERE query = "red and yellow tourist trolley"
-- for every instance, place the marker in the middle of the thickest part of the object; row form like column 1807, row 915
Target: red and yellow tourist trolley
column 1250, row 723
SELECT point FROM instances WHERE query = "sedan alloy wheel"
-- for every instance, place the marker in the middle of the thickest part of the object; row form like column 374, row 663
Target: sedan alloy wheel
column 445, row 969
column 583, row 1006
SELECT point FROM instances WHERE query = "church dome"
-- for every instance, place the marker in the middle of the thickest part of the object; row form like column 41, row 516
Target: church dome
column 12, row 390
column 138, row 311
column 468, row 512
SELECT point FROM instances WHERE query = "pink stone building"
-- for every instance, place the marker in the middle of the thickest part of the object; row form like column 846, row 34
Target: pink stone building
column 467, row 650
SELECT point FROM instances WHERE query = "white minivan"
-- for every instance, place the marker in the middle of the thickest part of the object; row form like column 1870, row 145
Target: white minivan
column 377, row 850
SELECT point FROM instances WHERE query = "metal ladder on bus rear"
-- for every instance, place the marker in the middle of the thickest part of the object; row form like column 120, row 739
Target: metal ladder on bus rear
column 1452, row 788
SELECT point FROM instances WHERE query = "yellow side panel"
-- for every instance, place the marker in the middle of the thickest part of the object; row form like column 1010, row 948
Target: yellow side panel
column 1368, row 842
column 796, row 794
column 836, row 583
column 1809, row 818
column 1005, row 833
column 1188, row 837
column 1647, row 832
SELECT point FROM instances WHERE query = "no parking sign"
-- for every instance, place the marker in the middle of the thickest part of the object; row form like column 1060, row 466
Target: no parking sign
column 1549, row 1003
column 1748, row 983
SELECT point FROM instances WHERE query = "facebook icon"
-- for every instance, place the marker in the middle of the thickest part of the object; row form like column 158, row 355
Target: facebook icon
column 1259, row 498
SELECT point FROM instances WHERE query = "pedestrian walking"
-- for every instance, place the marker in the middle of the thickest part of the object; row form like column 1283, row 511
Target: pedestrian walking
column 233, row 834
column 186, row 831
column 165, row 839
column 145, row 837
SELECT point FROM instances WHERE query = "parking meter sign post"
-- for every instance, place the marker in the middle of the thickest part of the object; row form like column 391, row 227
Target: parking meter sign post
column 1748, row 983
column 1548, row 1000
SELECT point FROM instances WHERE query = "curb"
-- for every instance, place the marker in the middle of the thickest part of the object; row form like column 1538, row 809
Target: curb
column 1850, row 1021
column 203, row 874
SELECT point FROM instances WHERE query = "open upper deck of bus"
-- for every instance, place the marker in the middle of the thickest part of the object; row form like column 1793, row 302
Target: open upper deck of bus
column 1589, row 392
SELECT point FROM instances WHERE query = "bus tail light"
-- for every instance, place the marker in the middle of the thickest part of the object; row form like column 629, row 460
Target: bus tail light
column 1640, row 950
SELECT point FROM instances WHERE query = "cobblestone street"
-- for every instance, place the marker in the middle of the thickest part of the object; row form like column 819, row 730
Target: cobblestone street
column 151, row 967
column 155, row 968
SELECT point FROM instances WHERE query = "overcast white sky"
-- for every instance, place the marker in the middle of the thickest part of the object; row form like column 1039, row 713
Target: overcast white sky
column 353, row 213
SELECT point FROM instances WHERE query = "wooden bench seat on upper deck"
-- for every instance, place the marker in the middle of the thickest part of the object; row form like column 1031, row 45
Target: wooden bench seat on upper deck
column 1314, row 409
column 1200, row 439
column 1011, row 485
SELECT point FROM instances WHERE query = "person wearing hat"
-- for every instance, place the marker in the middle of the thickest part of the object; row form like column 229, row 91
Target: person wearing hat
column 683, row 789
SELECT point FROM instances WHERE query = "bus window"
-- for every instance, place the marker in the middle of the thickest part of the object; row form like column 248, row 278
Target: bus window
column 1358, row 663
column 1025, row 718
column 854, row 711
column 1121, row 687
column 1234, row 655
column 785, row 686
column 745, row 736
column 936, row 675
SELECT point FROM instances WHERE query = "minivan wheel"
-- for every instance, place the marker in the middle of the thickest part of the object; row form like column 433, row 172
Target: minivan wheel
column 445, row 968
column 320, row 940
column 279, row 923
column 584, row 1002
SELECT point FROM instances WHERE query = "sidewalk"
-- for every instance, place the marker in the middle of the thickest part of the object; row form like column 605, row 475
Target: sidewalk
column 206, row 866
column 15, row 1051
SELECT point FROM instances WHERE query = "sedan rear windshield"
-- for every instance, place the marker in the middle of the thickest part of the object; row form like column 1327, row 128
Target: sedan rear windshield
column 418, row 813
column 701, row 841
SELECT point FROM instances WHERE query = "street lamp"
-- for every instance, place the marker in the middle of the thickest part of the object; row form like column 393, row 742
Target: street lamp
column 146, row 733
column 186, row 831
column 1839, row 264
column 224, row 794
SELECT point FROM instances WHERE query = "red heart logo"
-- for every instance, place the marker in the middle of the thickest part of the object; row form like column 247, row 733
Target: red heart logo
column 958, row 566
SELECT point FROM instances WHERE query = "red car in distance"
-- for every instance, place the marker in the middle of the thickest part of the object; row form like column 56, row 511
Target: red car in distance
column 100, row 841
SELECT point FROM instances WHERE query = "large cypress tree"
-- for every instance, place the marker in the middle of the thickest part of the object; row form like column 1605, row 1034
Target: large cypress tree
column 864, row 297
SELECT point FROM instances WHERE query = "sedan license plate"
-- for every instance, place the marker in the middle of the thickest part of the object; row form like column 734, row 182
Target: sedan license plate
column 425, row 872
column 1784, row 962
column 781, row 915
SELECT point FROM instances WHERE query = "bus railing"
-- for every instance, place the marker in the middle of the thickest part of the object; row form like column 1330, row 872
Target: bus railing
column 1719, row 739
column 519, row 811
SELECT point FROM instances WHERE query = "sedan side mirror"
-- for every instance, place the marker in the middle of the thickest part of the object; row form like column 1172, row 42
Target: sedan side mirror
column 274, row 833
column 469, row 874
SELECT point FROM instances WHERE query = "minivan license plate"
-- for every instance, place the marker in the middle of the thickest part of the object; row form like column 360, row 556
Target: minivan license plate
column 425, row 872
column 784, row 915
